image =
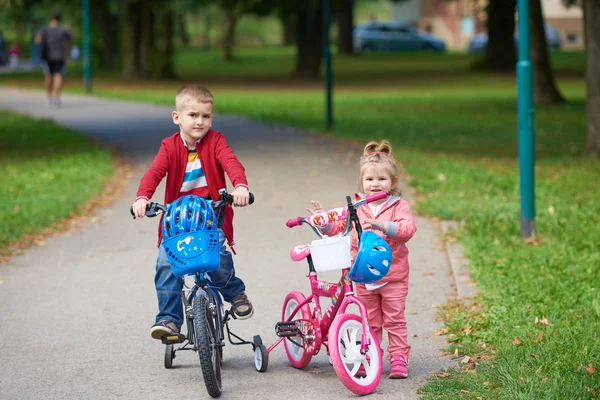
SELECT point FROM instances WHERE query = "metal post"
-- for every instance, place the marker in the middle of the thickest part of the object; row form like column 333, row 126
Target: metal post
column 526, row 125
column 87, row 67
column 327, row 59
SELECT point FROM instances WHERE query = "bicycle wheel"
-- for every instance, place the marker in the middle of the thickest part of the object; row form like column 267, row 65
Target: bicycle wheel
column 207, row 342
column 296, row 347
column 345, row 336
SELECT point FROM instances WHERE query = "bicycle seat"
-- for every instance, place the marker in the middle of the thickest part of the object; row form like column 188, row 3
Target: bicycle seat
column 299, row 253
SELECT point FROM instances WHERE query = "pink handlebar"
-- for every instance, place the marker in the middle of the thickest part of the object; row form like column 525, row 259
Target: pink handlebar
column 293, row 222
column 376, row 196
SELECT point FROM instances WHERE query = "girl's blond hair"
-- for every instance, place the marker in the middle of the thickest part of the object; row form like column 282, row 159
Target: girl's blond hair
column 379, row 153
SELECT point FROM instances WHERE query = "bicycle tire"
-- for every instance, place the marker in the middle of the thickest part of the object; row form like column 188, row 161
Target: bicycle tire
column 298, row 356
column 207, row 344
column 344, row 349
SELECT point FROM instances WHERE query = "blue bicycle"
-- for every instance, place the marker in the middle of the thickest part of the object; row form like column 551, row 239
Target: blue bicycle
column 191, row 242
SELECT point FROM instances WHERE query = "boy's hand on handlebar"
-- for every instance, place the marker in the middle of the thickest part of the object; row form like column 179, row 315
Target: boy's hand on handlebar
column 139, row 208
column 241, row 196
column 375, row 225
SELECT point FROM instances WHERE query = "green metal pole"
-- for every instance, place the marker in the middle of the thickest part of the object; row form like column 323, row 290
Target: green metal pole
column 327, row 59
column 87, row 65
column 526, row 125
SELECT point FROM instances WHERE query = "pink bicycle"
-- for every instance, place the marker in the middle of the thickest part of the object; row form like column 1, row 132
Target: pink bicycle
column 354, row 352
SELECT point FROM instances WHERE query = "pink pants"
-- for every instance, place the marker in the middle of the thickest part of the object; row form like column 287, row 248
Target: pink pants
column 385, row 306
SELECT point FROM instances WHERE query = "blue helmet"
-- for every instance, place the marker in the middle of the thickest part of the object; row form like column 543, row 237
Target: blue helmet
column 188, row 214
column 372, row 260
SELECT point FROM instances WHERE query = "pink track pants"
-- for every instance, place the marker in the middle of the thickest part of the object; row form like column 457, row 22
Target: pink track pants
column 385, row 306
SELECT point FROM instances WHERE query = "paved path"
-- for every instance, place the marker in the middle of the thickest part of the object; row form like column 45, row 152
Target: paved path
column 75, row 314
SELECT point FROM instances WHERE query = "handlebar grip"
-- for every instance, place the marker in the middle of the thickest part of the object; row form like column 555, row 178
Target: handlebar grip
column 376, row 196
column 294, row 222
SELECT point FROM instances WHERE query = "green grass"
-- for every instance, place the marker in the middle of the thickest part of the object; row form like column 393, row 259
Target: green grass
column 45, row 173
column 455, row 133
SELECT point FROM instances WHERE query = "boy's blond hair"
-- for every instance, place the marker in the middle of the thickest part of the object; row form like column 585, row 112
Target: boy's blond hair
column 379, row 153
column 193, row 92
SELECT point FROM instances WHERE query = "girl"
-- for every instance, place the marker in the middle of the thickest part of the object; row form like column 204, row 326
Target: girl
column 392, row 219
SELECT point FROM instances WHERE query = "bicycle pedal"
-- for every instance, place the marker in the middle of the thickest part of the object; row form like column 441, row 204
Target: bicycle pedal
column 287, row 329
column 172, row 339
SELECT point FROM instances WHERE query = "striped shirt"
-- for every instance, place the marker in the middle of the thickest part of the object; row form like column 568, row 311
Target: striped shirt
column 194, row 181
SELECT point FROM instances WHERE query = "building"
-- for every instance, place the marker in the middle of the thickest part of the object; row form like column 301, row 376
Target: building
column 458, row 21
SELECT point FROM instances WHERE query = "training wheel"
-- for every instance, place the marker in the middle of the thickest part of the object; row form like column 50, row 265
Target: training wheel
column 261, row 355
column 169, row 356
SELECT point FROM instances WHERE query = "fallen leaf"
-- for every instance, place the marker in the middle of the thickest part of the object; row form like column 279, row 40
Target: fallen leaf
column 543, row 321
column 485, row 383
column 455, row 352
column 590, row 369
column 483, row 345
column 539, row 338
column 427, row 273
column 551, row 210
column 412, row 313
column 441, row 331
column 463, row 391
column 517, row 341
column 466, row 359
column 441, row 177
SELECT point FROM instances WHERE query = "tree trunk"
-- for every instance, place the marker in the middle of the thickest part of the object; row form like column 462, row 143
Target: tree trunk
column 288, row 22
column 309, row 45
column 500, row 51
column 544, row 84
column 164, row 45
column 591, row 13
column 345, row 22
column 182, row 30
column 129, row 38
column 109, row 31
column 147, row 56
column 229, row 34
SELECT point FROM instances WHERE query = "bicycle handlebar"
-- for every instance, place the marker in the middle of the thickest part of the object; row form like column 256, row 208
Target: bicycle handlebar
column 335, row 214
column 154, row 209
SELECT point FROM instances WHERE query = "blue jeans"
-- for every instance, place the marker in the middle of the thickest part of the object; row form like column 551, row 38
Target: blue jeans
column 168, row 286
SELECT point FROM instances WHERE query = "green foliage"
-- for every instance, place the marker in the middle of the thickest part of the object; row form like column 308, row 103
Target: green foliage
column 46, row 172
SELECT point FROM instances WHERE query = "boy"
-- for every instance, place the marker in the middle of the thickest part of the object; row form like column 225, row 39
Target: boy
column 195, row 161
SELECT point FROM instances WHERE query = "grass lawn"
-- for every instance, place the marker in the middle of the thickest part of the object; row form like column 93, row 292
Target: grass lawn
column 46, row 172
column 532, row 332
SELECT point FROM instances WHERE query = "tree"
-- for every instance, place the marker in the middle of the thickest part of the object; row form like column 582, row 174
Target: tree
column 500, row 51
column 544, row 85
column 108, row 24
column 345, row 24
column 591, row 16
column 147, row 39
column 309, row 35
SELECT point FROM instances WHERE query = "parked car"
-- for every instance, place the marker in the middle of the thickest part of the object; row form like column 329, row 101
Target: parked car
column 479, row 42
column 393, row 36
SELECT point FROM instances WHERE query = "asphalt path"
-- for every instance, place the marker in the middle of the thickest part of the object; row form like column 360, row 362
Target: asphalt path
column 75, row 313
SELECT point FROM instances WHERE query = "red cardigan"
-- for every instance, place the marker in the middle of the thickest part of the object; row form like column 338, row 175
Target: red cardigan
column 216, row 158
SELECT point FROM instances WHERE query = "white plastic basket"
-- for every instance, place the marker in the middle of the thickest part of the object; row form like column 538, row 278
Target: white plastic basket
column 331, row 254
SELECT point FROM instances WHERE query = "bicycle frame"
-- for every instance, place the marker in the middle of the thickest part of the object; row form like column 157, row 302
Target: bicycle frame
column 343, row 289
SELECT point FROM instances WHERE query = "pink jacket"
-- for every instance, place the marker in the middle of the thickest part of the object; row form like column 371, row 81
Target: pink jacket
column 397, row 210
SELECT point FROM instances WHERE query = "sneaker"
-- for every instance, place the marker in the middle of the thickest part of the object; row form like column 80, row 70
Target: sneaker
column 399, row 367
column 242, row 308
column 57, row 103
column 163, row 328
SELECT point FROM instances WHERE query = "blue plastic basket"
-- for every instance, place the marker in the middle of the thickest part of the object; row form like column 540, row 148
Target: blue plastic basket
column 193, row 252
